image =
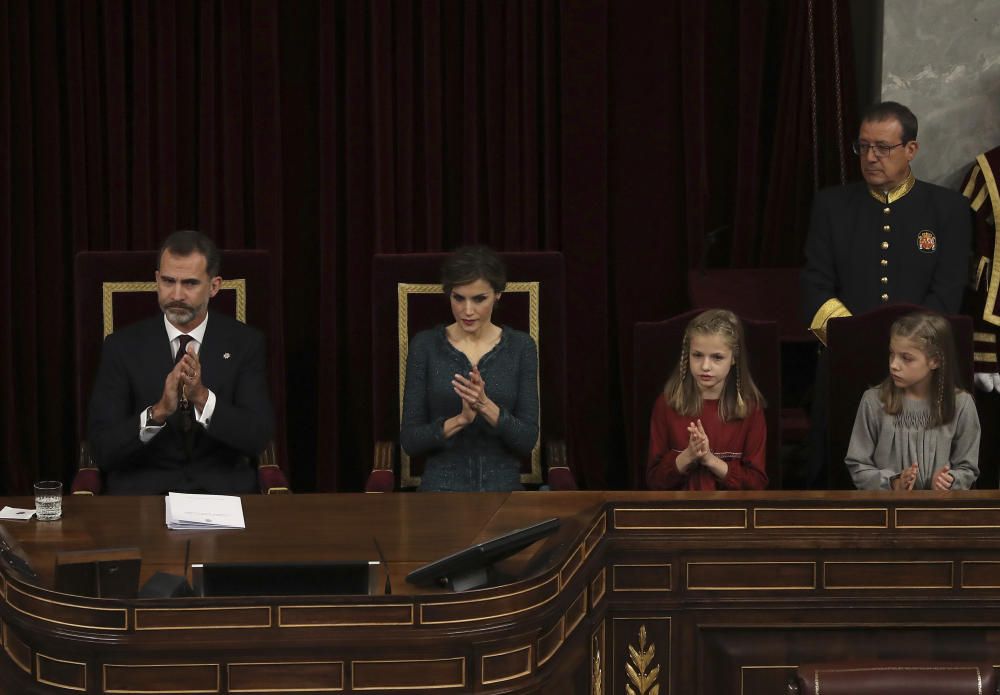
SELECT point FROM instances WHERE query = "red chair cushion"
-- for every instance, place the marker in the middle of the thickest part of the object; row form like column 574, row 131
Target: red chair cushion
column 87, row 481
column 380, row 481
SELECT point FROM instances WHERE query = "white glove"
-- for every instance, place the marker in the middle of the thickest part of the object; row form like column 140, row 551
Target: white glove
column 988, row 381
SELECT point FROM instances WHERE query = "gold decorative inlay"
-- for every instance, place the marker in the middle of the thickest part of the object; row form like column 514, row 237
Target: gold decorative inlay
column 7, row 647
column 662, row 565
column 230, row 666
column 595, row 534
column 436, row 686
column 559, row 631
column 640, row 669
column 984, row 563
column 488, row 601
column 884, row 511
column 576, row 612
column 374, row 623
column 597, row 670
column 524, row 672
column 126, row 667
column 108, row 290
column 598, row 587
column 679, row 512
column 734, row 587
column 140, row 612
column 949, row 525
column 573, row 563
column 950, row 565
column 38, row 672
column 123, row 612
column 403, row 292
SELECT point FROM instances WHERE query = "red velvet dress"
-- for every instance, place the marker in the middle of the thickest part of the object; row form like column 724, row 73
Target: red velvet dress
column 740, row 443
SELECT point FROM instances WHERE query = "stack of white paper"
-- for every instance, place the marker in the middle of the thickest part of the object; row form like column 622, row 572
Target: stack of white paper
column 193, row 512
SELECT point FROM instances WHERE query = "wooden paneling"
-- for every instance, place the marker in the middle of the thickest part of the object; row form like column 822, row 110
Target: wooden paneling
column 408, row 674
column 291, row 677
column 697, row 594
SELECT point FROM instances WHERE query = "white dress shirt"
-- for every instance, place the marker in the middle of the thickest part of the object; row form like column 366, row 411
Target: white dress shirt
column 147, row 432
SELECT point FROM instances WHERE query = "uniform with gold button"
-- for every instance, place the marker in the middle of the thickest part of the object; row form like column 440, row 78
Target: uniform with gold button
column 867, row 248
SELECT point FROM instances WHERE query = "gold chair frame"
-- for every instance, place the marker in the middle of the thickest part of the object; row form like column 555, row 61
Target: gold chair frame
column 108, row 290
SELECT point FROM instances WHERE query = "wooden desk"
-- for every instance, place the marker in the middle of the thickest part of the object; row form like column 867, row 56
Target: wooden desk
column 702, row 593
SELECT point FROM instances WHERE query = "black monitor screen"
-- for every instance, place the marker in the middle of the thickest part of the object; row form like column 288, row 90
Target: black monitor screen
column 478, row 558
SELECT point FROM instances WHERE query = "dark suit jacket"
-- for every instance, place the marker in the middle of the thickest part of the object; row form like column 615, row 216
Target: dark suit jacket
column 844, row 251
column 135, row 361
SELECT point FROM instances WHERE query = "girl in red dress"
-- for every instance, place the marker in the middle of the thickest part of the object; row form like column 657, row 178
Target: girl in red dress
column 707, row 431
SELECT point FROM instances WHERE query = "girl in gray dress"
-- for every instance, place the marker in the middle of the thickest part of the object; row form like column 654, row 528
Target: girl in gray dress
column 916, row 430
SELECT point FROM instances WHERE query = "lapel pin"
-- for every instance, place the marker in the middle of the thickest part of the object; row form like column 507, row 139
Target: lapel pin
column 226, row 355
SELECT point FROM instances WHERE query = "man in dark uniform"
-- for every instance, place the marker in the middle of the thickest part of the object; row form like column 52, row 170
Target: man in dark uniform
column 981, row 189
column 888, row 239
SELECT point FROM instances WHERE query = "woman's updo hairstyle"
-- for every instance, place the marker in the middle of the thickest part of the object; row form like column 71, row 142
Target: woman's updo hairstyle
column 470, row 263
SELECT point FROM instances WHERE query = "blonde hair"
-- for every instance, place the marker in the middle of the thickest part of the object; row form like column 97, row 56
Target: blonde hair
column 740, row 395
column 932, row 335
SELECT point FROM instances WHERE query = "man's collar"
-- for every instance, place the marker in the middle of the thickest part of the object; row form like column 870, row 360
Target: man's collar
column 886, row 197
column 198, row 333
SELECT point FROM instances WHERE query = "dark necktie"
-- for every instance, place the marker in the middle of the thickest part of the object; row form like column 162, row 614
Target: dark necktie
column 183, row 341
column 185, row 415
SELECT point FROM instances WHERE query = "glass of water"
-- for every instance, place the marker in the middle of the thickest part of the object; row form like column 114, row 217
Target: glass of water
column 48, row 500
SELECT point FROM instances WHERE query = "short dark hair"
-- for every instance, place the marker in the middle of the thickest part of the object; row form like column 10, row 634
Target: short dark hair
column 470, row 263
column 888, row 110
column 187, row 241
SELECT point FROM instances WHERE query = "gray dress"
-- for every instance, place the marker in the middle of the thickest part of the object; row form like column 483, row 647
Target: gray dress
column 882, row 445
column 480, row 457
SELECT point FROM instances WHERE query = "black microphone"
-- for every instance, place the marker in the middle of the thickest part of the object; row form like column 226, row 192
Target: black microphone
column 385, row 566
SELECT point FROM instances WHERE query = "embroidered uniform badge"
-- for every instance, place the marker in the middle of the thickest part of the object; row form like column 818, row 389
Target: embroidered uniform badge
column 926, row 241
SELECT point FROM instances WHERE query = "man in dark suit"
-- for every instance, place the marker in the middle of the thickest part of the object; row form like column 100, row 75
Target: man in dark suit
column 180, row 402
column 887, row 239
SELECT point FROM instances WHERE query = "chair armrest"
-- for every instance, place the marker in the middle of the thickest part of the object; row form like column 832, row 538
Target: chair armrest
column 382, row 478
column 87, row 480
column 270, row 478
column 560, row 476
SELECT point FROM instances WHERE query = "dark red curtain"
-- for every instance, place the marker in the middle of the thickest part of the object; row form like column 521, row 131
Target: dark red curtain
column 626, row 135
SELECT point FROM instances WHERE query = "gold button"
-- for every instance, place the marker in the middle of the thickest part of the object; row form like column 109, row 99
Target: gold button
column 885, row 298
column 884, row 262
column 886, row 228
column 885, row 244
column 884, row 280
column 886, row 211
